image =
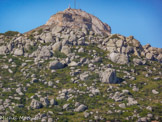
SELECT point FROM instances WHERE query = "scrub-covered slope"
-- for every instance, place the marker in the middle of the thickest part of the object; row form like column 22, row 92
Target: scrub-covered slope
column 73, row 69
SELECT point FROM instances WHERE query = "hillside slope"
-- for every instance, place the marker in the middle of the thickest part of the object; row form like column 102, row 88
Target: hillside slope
column 73, row 69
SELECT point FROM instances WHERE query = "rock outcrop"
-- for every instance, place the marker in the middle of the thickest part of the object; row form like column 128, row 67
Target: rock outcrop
column 76, row 18
column 109, row 76
column 119, row 58
column 73, row 69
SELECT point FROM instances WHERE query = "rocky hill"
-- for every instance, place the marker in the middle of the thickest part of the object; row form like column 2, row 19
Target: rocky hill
column 73, row 69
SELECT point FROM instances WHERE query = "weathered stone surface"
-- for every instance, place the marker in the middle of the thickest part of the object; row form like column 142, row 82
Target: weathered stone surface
column 108, row 76
column 45, row 52
column 57, row 46
column 131, row 101
column 73, row 64
column 48, row 38
column 159, row 57
column 45, row 102
column 56, row 65
column 155, row 92
column 66, row 50
column 53, row 102
column 19, row 91
column 56, row 29
column 84, row 76
column 3, row 50
column 137, row 61
column 122, row 105
column 65, row 106
column 35, row 104
column 81, row 108
column 133, row 42
column 149, row 56
column 119, row 58
column 76, row 18
column 18, row 52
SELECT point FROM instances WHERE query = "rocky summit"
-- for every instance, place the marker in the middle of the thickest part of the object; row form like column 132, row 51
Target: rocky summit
column 73, row 69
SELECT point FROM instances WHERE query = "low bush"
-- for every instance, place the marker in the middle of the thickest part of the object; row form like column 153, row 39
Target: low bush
column 11, row 33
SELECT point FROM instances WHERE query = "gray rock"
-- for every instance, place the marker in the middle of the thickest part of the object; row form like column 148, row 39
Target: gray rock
column 73, row 64
column 111, row 43
column 2, row 108
column 75, row 19
column 77, row 104
column 149, row 108
column 137, row 61
column 50, row 120
column 10, row 71
column 45, row 102
column 131, row 101
column 65, row 106
column 3, row 50
column 48, row 38
column 57, row 29
column 56, row 65
column 45, row 52
column 159, row 57
column 119, row 58
column 57, row 46
column 143, row 119
column 155, row 92
column 95, row 91
column 135, row 89
column 108, row 76
column 34, row 80
column 97, row 60
column 66, row 50
column 18, row 90
column 35, row 104
column 81, row 108
column 122, row 105
column 84, row 76
column 149, row 56
column 18, row 52
column 150, row 115
column 84, row 30
column 53, row 102
column 117, row 97
column 119, row 43
column 81, row 50
column 50, row 83
column 65, row 42
column 86, row 114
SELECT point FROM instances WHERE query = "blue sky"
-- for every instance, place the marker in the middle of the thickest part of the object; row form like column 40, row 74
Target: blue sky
column 140, row 18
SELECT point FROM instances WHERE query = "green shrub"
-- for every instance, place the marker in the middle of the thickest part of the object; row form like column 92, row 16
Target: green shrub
column 40, row 31
column 59, row 54
column 11, row 33
column 31, row 37
column 32, row 48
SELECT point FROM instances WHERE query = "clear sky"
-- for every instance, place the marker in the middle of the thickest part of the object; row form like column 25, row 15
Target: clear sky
column 140, row 18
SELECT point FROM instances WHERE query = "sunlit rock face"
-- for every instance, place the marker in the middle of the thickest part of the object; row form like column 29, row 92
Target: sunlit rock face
column 76, row 18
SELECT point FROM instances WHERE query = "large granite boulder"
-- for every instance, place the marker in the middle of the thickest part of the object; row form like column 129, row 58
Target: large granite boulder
column 66, row 50
column 57, row 46
column 56, row 65
column 109, row 76
column 119, row 58
column 81, row 108
column 18, row 52
column 35, row 104
column 45, row 52
column 3, row 50
column 76, row 18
